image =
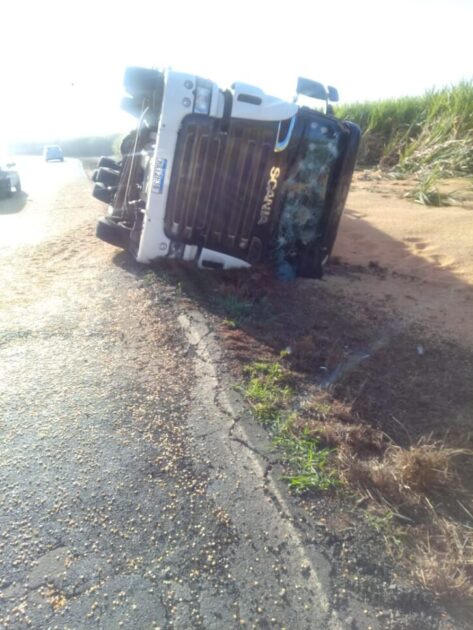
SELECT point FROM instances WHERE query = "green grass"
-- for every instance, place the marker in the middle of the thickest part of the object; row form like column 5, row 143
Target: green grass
column 268, row 392
column 238, row 310
column 234, row 308
column 380, row 521
column 418, row 133
column 230, row 323
column 270, row 395
column 309, row 463
column 426, row 192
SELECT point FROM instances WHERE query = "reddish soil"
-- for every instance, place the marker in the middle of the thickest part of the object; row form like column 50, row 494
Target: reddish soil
column 424, row 255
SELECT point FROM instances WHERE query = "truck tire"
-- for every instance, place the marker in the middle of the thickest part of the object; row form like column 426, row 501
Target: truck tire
column 142, row 81
column 107, row 176
column 108, row 163
column 132, row 105
column 113, row 233
column 104, row 193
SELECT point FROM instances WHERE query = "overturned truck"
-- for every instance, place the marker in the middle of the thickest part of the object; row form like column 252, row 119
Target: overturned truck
column 227, row 178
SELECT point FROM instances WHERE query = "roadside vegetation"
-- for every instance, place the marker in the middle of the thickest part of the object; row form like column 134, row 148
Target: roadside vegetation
column 270, row 394
column 429, row 137
column 415, row 493
column 416, row 133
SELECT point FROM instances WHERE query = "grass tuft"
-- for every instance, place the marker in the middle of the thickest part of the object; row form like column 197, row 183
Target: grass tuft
column 415, row 488
column 234, row 307
column 309, row 463
column 270, row 395
column 426, row 192
column 443, row 562
column 268, row 391
column 407, row 480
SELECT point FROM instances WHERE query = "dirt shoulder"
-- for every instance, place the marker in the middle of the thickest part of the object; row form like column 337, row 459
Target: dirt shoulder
column 414, row 260
column 406, row 271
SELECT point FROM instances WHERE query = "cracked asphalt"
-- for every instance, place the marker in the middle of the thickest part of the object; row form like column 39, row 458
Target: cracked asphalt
column 130, row 496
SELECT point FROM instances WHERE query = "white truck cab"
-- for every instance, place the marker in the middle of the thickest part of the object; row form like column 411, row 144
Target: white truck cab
column 226, row 178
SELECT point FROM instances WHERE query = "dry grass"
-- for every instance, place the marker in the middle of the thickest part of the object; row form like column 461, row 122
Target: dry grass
column 443, row 561
column 399, row 477
column 425, row 468
column 332, row 424
column 407, row 480
column 431, row 524
column 419, row 485
column 360, row 438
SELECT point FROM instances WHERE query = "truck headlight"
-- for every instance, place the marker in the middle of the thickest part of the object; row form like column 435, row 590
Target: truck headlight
column 203, row 96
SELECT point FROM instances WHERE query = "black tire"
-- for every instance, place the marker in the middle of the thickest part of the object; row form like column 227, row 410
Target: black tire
column 107, row 176
column 113, row 233
column 142, row 81
column 104, row 194
column 132, row 106
column 108, row 163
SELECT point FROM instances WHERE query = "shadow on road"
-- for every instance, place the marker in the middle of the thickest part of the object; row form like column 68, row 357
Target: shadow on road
column 14, row 204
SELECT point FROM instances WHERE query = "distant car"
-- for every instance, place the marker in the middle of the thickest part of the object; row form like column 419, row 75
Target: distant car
column 9, row 179
column 53, row 152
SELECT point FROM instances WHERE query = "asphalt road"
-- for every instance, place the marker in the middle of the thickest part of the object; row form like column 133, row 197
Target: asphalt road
column 129, row 498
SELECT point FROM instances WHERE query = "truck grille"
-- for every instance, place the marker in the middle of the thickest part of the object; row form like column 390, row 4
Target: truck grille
column 218, row 186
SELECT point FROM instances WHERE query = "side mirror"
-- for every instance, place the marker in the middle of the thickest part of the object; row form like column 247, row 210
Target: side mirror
column 332, row 94
column 313, row 89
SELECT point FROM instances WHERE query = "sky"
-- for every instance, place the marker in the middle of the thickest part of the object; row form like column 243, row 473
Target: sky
column 62, row 63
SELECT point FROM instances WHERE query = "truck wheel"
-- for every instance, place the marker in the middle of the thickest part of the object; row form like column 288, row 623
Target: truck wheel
column 104, row 193
column 132, row 105
column 107, row 176
column 108, row 163
column 142, row 81
column 113, row 233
